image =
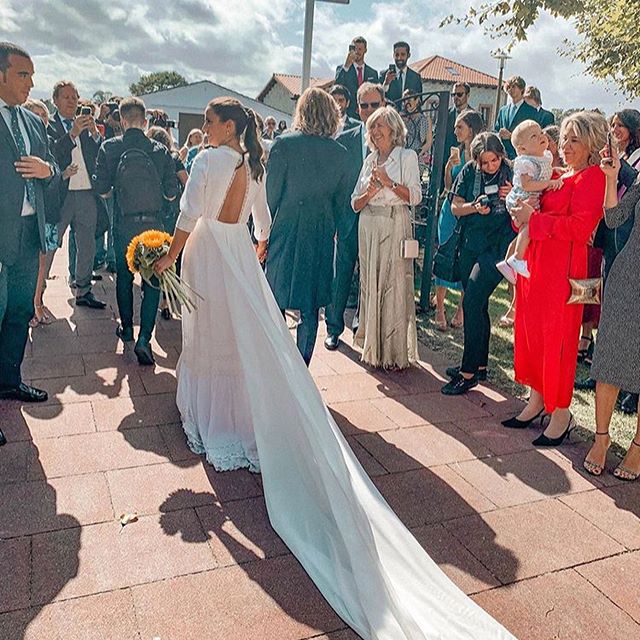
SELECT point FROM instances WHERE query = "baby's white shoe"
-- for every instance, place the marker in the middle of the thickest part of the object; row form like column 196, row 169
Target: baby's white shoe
column 507, row 271
column 519, row 266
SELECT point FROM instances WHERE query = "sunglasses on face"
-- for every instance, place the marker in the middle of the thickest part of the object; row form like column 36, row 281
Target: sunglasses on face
column 459, row 94
column 367, row 105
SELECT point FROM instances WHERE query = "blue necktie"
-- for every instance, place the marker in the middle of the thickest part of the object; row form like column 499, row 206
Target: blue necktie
column 22, row 148
column 67, row 124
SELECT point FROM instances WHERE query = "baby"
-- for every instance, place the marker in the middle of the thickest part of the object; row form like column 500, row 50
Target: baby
column 531, row 174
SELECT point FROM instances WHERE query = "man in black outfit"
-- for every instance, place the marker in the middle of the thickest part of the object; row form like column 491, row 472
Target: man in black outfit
column 401, row 77
column 342, row 96
column 140, row 173
column 354, row 72
column 370, row 98
column 26, row 168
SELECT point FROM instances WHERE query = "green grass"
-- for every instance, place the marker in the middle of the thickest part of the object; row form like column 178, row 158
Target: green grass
column 501, row 372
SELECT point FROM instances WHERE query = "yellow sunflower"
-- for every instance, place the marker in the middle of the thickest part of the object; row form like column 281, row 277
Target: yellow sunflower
column 131, row 254
column 154, row 239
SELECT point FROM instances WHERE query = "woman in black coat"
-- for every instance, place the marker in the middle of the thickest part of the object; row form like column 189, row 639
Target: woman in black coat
column 306, row 188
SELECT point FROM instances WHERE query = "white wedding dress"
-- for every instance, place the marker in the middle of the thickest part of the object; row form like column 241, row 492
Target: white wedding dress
column 247, row 400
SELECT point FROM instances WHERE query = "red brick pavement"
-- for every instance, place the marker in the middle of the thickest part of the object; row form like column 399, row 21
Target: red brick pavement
column 550, row 552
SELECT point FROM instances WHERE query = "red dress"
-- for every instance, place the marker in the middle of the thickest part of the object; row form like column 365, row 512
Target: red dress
column 547, row 329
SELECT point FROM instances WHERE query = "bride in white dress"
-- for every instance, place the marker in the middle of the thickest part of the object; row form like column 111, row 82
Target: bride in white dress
column 247, row 400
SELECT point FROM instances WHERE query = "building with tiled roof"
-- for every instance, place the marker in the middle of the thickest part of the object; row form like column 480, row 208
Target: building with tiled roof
column 437, row 72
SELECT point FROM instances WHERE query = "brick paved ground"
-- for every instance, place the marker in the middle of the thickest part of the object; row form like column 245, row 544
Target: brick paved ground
column 549, row 552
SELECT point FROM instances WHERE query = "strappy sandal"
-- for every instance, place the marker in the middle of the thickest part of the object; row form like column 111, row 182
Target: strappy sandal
column 594, row 468
column 584, row 353
column 623, row 473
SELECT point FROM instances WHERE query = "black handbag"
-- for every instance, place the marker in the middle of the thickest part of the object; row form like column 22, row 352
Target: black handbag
column 446, row 262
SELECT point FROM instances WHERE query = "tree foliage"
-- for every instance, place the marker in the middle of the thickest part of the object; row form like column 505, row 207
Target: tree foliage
column 157, row 81
column 607, row 32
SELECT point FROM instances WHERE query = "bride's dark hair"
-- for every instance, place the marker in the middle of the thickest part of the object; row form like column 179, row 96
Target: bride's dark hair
column 245, row 121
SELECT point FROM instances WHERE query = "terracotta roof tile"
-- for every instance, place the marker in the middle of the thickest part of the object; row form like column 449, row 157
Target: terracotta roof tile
column 439, row 69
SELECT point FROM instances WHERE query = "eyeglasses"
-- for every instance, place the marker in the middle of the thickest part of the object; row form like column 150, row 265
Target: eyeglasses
column 367, row 105
column 460, row 94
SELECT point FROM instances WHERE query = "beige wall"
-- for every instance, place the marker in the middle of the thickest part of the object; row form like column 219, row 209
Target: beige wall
column 482, row 99
column 279, row 98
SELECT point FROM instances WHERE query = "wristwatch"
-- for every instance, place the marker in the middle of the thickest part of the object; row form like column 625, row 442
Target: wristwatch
column 394, row 186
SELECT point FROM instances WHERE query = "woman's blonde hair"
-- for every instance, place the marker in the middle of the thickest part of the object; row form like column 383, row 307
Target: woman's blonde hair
column 33, row 103
column 317, row 114
column 590, row 128
column 193, row 132
column 392, row 118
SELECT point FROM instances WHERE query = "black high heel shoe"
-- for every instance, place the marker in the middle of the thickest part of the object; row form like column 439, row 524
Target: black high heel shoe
column 545, row 441
column 514, row 423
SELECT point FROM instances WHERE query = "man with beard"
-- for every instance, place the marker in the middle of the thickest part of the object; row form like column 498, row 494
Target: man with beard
column 399, row 77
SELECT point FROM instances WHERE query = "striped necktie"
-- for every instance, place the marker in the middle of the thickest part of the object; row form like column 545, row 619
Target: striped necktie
column 22, row 148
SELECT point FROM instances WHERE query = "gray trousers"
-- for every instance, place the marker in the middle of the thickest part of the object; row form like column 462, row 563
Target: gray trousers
column 80, row 212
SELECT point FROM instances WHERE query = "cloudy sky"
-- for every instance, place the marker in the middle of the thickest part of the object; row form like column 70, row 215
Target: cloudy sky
column 107, row 44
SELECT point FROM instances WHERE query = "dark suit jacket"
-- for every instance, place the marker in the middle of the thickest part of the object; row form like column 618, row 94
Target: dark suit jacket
column 394, row 92
column 524, row 112
column 349, row 79
column 351, row 140
column 351, row 123
column 306, row 188
column 13, row 185
column 545, row 118
column 62, row 145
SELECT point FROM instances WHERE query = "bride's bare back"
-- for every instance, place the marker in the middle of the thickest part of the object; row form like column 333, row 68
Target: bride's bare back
column 234, row 201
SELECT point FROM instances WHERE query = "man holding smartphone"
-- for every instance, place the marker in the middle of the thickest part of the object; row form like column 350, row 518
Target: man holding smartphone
column 75, row 140
column 354, row 72
column 399, row 77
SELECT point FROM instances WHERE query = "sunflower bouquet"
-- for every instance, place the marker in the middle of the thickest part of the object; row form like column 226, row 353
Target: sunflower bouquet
column 143, row 252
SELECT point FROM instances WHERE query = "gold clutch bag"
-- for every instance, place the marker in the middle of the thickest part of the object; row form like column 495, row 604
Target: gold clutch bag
column 585, row 291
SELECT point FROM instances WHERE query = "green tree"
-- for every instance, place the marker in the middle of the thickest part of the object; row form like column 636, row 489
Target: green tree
column 607, row 33
column 157, row 81
column 101, row 96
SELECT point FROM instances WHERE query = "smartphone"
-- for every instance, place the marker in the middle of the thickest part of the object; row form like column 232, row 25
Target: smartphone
column 392, row 68
column 352, row 47
column 608, row 150
column 455, row 153
column 86, row 111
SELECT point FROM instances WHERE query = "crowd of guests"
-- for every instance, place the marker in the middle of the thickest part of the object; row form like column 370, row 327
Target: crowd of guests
column 523, row 201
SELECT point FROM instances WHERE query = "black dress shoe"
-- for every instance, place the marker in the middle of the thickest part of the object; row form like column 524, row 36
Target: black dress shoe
column 459, row 385
column 514, row 423
column 96, row 276
column 331, row 342
column 452, row 372
column 165, row 313
column 24, row 393
column 125, row 333
column 143, row 352
column 588, row 384
column 89, row 300
column 3, row 439
column 629, row 403
column 546, row 441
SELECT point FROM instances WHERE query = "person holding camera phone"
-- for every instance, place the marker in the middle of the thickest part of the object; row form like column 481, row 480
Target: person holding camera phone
column 354, row 72
column 76, row 140
column 478, row 201
column 399, row 77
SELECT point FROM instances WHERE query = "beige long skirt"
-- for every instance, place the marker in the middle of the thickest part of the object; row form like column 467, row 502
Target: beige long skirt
column 387, row 315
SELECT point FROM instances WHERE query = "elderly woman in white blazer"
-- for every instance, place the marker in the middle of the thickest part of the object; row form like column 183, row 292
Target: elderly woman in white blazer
column 388, row 184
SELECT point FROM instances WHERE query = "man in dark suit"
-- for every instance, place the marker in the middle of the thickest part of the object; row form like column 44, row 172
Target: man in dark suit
column 400, row 77
column 26, row 167
column 511, row 115
column 370, row 97
column 533, row 98
column 342, row 96
column 75, row 140
column 354, row 72
column 460, row 94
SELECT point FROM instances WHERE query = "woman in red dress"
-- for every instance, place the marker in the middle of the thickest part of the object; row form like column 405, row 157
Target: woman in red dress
column 547, row 329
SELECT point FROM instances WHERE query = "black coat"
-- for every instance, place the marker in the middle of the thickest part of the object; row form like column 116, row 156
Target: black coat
column 13, row 185
column 413, row 82
column 306, row 190
column 349, row 79
column 351, row 140
column 525, row 112
column 545, row 117
column 62, row 145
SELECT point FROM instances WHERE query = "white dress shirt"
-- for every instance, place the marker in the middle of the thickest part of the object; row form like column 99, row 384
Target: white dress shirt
column 401, row 167
column 81, row 180
column 27, row 207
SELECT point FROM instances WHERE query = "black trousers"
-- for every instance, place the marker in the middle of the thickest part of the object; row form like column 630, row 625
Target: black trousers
column 345, row 258
column 479, row 280
column 17, row 289
column 306, row 333
column 125, row 229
